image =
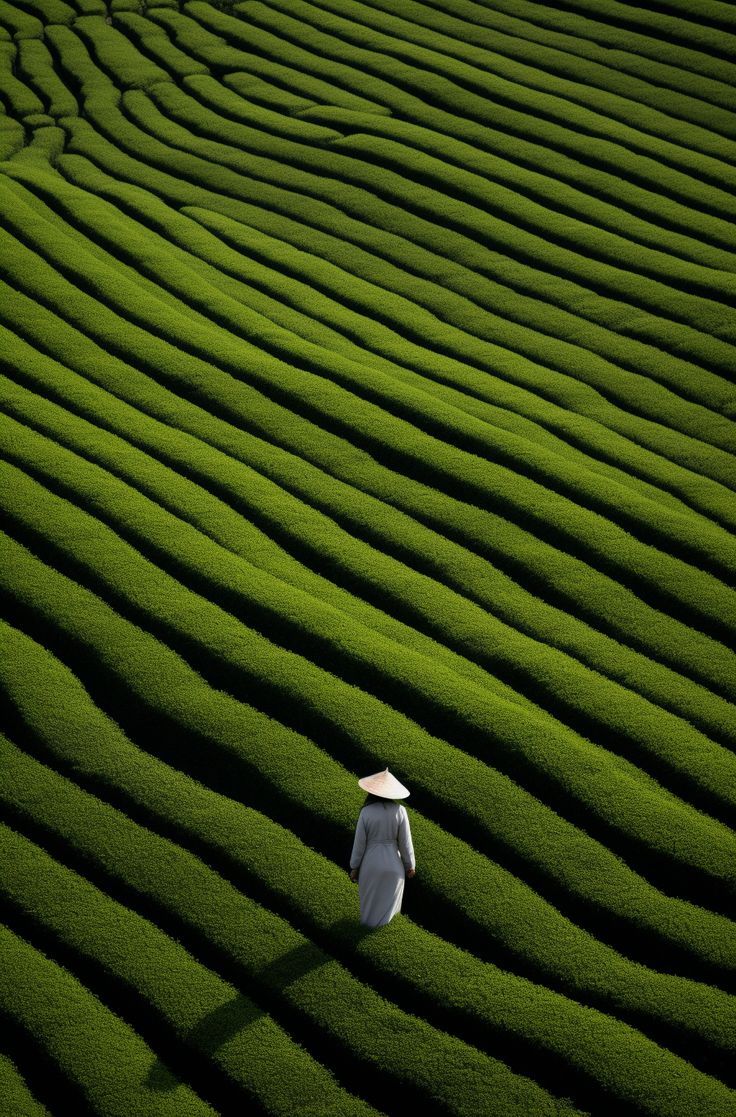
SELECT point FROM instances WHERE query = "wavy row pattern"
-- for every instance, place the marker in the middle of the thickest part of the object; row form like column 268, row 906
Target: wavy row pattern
column 367, row 398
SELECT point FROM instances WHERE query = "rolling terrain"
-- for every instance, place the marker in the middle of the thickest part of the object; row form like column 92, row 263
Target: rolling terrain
column 367, row 399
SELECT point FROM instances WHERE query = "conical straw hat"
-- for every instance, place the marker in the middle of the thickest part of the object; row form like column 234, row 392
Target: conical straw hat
column 384, row 784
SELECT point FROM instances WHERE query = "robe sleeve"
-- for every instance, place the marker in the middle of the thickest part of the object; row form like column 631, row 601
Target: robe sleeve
column 406, row 847
column 359, row 843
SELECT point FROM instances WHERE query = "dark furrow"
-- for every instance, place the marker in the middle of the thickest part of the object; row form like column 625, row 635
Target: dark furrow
column 156, row 230
column 319, row 586
column 671, row 391
column 524, row 1057
column 223, row 157
column 266, row 525
column 511, row 28
column 276, row 352
column 253, row 513
column 397, row 461
column 415, row 89
column 182, row 148
column 576, row 97
column 537, row 23
column 670, row 279
column 571, row 211
column 367, row 535
column 453, row 160
column 721, row 367
column 480, row 140
column 189, row 753
column 720, row 16
column 435, row 718
column 581, row 34
column 387, row 1091
column 669, row 32
column 449, row 434
column 413, row 337
column 46, row 1080
column 365, row 352
column 241, row 553
column 317, row 360
column 600, row 391
column 185, row 1062
column 608, row 928
column 407, row 333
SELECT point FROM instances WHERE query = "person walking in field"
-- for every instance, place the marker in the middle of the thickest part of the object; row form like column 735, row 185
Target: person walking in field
column 383, row 854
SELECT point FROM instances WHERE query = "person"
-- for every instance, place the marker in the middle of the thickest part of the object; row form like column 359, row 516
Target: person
column 383, row 854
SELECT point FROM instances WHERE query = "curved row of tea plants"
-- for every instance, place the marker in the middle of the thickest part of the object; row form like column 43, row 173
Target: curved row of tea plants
column 152, row 674
column 93, row 1046
column 249, row 942
column 558, row 575
column 367, row 398
column 303, row 883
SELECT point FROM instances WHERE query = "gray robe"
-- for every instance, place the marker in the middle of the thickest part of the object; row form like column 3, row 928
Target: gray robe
column 382, row 851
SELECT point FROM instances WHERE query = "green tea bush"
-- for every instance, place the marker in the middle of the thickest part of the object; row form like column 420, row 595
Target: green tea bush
column 105, row 1058
column 290, row 875
column 278, row 757
column 263, row 950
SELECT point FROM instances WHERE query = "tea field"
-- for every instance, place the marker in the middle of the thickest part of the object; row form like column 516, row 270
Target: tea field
column 367, row 392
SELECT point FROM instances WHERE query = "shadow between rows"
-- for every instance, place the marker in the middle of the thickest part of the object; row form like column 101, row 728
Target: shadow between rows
column 249, row 686
column 432, row 425
column 178, row 1057
column 486, row 206
column 258, row 995
column 470, row 495
column 326, row 566
column 673, row 34
column 173, row 1062
column 238, row 198
column 380, row 683
column 418, row 211
column 531, row 51
column 448, row 99
column 464, row 227
column 340, row 940
column 225, row 772
column 46, row 1079
column 466, row 442
column 424, row 472
column 269, row 205
column 469, row 443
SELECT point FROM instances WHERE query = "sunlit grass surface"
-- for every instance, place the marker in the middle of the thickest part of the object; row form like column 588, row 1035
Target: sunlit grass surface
column 367, row 399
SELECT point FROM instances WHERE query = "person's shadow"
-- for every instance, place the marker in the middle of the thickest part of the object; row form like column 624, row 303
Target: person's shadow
column 217, row 1027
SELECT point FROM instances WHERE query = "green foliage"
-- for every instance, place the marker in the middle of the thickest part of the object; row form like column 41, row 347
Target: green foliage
column 247, row 379
column 597, row 780
column 102, row 1054
column 14, row 1091
column 268, row 954
column 367, row 397
column 22, row 100
column 311, row 888
column 161, row 682
column 154, row 42
column 35, row 60
column 19, row 23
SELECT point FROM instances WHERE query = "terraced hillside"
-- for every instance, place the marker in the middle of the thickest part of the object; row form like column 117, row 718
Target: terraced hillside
column 367, row 399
